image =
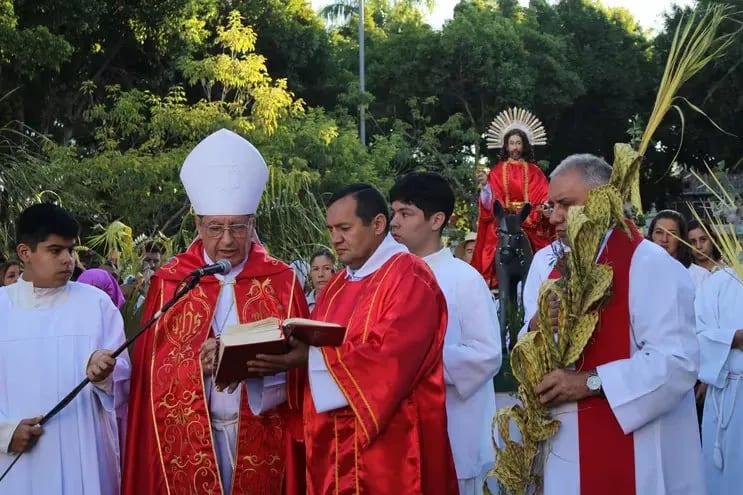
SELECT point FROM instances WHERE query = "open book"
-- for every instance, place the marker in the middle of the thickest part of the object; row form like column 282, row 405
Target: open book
column 239, row 344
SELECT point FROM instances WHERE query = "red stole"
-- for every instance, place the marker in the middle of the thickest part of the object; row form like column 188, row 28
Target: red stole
column 170, row 442
column 607, row 455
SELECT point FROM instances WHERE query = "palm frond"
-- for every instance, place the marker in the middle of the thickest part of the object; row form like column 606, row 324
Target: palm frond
column 339, row 12
column 723, row 235
column 291, row 220
column 697, row 41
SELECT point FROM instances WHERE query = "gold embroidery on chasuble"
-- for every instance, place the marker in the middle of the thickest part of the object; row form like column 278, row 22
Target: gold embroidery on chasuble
column 179, row 405
column 258, row 467
column 261, row 302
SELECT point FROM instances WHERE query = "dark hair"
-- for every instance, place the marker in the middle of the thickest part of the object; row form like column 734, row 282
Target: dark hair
column 428, row 191
column 683, row 253
column 369, row 202
column 36, row 223
column 89, row 258
column 694, row 224
column 323, row 252
column 4, row 269
column 528, row 152
column 153, row 247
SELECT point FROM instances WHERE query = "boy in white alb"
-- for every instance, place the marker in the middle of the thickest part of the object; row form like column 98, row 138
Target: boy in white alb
column 422, row 203
column 52, row 333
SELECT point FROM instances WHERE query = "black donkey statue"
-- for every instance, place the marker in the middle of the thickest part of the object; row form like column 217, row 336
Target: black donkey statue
column 512, row 260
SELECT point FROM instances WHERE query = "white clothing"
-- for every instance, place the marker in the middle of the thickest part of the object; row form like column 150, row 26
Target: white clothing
column 650, row 393
column 311, row 299
column 47, row 337
column 718, row 312
column 698, row 274
column 472, row 357
column 326, row 394
column 541, row 266
column 486, row 197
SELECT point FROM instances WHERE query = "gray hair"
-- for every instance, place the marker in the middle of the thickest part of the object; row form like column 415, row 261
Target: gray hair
column 593, row 169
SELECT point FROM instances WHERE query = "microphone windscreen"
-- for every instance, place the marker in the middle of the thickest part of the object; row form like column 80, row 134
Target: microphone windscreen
column 226, row 266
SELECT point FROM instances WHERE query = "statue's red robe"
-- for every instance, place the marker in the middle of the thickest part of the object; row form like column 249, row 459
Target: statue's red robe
column 169, row 445
column 392, row 437
column 513, row 183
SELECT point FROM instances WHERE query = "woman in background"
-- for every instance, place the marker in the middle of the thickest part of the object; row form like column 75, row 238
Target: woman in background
column 10, row 272
column 667, row 229
column 104, row 281
column 705, row 252
column 322, row 268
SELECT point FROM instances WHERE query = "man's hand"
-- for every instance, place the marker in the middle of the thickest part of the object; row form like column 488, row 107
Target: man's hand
column 561, row 386
column 482, row 177
column 26, row 435
column 206, row 356
column 269, row 364
column 100, row 365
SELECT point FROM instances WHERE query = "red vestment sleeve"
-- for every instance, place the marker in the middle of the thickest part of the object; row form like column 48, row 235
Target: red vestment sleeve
column 295, row 483
column 538, row 193
column 296, row 378
column 400, row 343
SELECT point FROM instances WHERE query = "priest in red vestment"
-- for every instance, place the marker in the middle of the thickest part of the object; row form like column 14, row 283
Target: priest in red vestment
column 185, row 435
column 514, row 181
column 374, row 408
column 627, row 412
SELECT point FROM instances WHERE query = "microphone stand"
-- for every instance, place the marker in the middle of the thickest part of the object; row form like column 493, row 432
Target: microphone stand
column 193, row 282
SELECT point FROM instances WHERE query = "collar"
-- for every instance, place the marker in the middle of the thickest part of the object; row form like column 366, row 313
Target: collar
column 233, row 273
column 25, row 295
column 28, row 288
column 384, row 252
column 439, row 256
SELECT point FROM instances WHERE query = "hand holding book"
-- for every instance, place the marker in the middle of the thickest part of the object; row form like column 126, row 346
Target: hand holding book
column 271, row 364
column 269, row 346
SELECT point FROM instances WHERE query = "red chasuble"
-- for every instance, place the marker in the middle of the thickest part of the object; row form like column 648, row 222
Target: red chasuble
column 170, row 448
column 392, row 437
column 607, row 455
column 513, row 183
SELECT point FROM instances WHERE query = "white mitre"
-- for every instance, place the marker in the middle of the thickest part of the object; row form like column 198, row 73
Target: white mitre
column 224, row 175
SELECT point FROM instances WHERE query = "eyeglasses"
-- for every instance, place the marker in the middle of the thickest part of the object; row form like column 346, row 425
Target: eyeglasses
column 237, row 230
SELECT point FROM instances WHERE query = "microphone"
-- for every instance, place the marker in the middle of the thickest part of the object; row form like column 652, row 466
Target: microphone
column 221, row 267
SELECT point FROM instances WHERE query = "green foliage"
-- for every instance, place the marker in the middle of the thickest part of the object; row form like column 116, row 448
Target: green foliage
column 121, row 98
column 30, row 49
column 291, row 221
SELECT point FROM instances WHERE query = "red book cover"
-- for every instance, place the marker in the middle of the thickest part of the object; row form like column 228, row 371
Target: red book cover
column 232, row 366
column 317, row 336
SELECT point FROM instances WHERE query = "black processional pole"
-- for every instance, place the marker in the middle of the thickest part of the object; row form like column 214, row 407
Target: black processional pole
column 193, row 282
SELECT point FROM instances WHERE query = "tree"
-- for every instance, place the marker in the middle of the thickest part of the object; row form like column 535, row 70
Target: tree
column 612, row 57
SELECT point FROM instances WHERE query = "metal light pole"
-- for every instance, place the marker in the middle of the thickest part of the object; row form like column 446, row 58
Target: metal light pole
column 362, row 82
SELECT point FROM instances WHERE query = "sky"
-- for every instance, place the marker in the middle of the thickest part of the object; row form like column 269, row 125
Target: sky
column 647, row 12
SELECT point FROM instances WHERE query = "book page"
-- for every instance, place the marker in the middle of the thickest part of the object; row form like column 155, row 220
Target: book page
column 252, row 333
column 310, row 323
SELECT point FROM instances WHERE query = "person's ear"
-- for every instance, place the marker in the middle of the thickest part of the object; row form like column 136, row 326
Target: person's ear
column 438, row 220
column 24, row 251
column 380, row 224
